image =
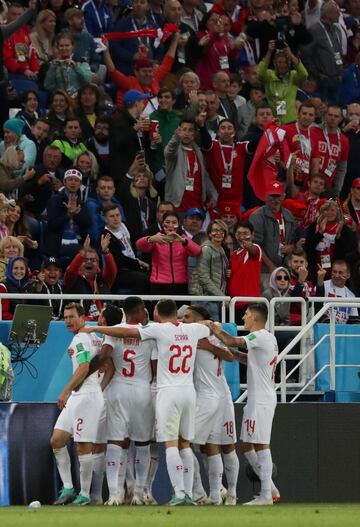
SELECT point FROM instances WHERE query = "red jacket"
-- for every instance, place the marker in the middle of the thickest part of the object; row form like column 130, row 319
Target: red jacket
column 19, row 54
column 125, row 83
column 169, row 261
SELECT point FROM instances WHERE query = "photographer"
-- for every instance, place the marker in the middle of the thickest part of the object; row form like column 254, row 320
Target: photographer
column 282, row 82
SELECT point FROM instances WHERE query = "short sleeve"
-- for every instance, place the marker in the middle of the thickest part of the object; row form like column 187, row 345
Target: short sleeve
column 202, row 331
column 110, row 341
column 150, row 331
column 251, row 341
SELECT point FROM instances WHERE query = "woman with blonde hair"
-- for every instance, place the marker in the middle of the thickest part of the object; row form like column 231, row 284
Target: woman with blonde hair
column 43, row 35
column 12, row 160
column 9, row 247
column 88, row 165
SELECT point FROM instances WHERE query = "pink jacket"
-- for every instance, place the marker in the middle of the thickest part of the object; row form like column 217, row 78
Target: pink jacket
column 169, row 261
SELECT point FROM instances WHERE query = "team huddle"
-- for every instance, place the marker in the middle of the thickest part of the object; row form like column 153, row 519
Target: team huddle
column 146, row 383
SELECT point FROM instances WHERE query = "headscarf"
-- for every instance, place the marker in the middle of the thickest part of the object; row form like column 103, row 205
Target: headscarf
column 273, row 283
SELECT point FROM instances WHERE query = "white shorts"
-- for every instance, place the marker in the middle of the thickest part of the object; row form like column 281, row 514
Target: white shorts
column 214, row 421
column 81, row 416
column 101, row 436
column 256, row 423
column 175, row 413
column 130, row 412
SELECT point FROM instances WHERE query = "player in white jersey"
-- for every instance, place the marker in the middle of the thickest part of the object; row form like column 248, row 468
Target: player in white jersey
column 215, row 418
column 130, row 410
column 175, row 401
column 82, row 403
column 261, row 359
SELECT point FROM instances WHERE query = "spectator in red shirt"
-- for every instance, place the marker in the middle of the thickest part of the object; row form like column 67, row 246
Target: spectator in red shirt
column 332, row 149
column 19, row 55
column 351, row 205
column 84, row 276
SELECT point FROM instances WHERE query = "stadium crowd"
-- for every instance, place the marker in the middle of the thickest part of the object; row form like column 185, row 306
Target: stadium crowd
column 212, row 151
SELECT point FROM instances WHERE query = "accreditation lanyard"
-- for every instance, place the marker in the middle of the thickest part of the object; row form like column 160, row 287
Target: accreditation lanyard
column 329, row 39
column 144, row 40
column 327, row 139
column 228, row 166
column 305, row 143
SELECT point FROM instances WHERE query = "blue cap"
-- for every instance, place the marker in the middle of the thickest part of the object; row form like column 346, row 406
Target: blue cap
column 195, row 212
column 132, row 96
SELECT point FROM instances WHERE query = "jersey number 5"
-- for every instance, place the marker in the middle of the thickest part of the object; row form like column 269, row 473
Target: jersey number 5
column 182, row 353
column 127, row 357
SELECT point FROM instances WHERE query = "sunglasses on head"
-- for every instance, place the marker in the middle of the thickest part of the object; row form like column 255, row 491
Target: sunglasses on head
column 282, row 277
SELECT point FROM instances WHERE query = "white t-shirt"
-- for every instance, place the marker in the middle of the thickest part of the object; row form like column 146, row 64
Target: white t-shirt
column 176, row 345
column 132, row 357
column 261, row 365
column 342, row 314
column 123, row 236
column 86, row 346
column 209, row 378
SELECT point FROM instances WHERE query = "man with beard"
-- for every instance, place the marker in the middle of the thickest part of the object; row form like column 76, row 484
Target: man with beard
column 98, row 144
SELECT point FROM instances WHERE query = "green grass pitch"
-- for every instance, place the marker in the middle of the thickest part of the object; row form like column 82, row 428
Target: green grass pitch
column 282, row 515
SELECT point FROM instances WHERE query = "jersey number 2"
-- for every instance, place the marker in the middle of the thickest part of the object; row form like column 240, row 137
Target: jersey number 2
column 184, row 353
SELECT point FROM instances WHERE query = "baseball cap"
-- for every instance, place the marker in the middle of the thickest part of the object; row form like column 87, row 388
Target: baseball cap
column 229, row 208
column 195, row 212
column 143, row 63
column 74, row 173
column 131, row 96
column 356, row 183
column 51, row 261
column 275, row 188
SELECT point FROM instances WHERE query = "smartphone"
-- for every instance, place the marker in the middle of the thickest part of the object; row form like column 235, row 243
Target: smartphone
column 140, row 154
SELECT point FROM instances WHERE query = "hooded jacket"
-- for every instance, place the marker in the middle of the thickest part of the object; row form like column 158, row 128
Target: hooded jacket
column 12, row 285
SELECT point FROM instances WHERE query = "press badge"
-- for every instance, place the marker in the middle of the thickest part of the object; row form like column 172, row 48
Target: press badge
column 181, row 56
column 226, row 181
column 189, row 184
column 305, row 166
column 330, row 168
column 338, row 59
column 325, row 261
column 281, row 108
column 224, row 62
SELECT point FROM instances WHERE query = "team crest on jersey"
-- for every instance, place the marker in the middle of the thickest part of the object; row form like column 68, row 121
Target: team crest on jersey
column 80, row 347
column 251, row 336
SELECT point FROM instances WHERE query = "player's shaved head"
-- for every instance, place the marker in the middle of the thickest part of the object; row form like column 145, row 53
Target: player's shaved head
column 132, row 304
column 166, row 308
column 260, row 310
column 200, row 312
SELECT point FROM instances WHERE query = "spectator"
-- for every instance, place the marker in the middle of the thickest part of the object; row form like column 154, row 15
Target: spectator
column 193, row 222
column 13, row 135
column 221, row 84
column 48, row 282
column 11, row 161
column 230, row 215
column 9, row 247
column 139, row 202
column 235, row 89
column 351, row 205
column 16, row 281
column 4, row 231
column 131, row 272
column 213, row 118
column 84, row 276
column 84, row 44
column 350, row 83
column 127, row 51
column 70, row 144
column 328, row 239
column 127, row 140
column 162, row 208
column 42, row 37
column 19, row 226
column 68, row 221
column 38, row 134
column 274, row 230
column 146, row 78
column 105, row 196
column 98, row 18
column 98, row 143
column 282, row 82
column 59, row 113
column 247, row 111
column 188, row 83
column 351, row 131
column 279, row 283
column 88, row 109
column 187, row 183
column 324, row 54
column 88, row 166
column 245, row 267
column 210, row 276
column 65, row 73
column 336, row 287
column 169, row 251
column 19, row 56
column 191, row 14
column 30, row 104
column 331, row 149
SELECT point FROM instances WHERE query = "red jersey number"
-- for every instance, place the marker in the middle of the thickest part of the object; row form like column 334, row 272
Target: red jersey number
column 128, row 357
column 182, row 354
column 273, row 363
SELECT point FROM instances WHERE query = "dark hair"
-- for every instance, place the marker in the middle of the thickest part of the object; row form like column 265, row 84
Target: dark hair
column 225, row 121
column 258, row 87
column 306, row 104
column 320, row 175
column 109, row 207
column 78, row 307
column 109, row 179
column 235, row 77
column 70, row 119
column 166, row 307
column 102, row 119
column 112, row 314
column 25, row 95
column 171, row 213
column 131, row 304
column 262, row 106
column 260, row 309
column 64, row 34
column 299, row 252
column 245, row 225
column 200, row 310
column 204, row 20
column 341, row 262
column 188, row 120
column 91, row 87
column 165, row 89
column 41, row 120
column 165, row 203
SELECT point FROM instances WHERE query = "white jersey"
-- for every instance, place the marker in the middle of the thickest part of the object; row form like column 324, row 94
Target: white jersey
column 209, row 378
column 84, row 347
column 341, row 314
column 132, row 357
column 261, row 365
column 176, row 345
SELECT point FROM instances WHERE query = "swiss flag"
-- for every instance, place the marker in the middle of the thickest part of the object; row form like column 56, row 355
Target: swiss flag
column 263, row 170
